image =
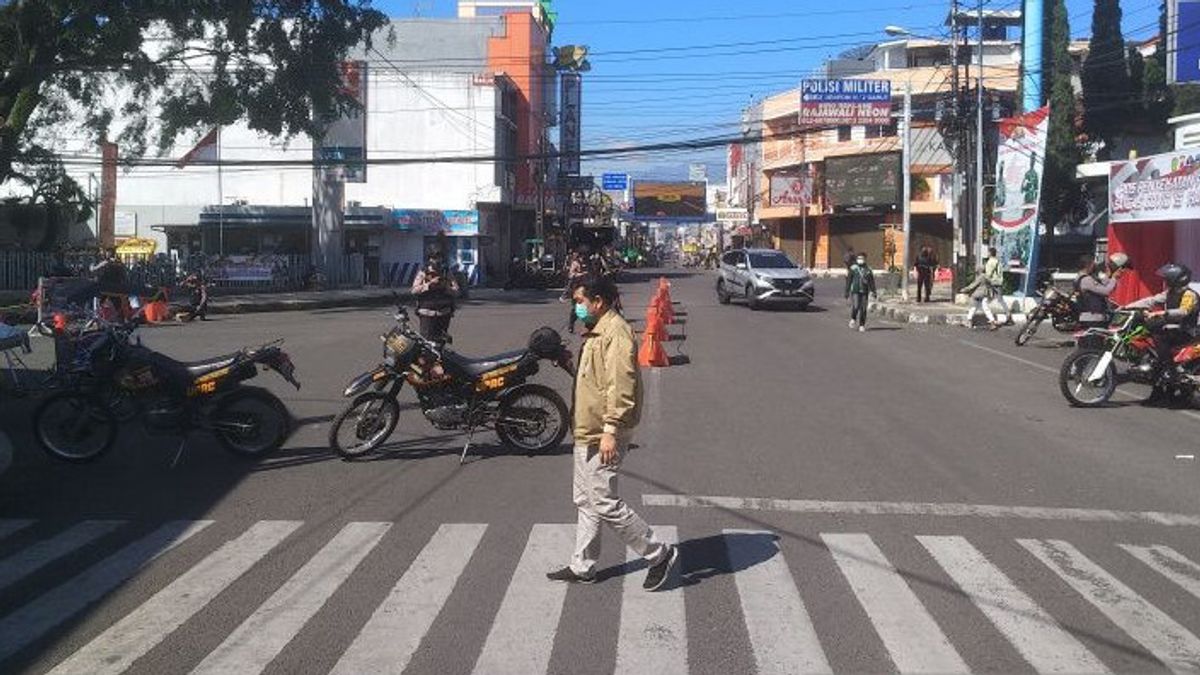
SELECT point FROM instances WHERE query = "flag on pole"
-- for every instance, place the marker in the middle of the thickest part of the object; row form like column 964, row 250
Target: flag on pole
column 206, row 150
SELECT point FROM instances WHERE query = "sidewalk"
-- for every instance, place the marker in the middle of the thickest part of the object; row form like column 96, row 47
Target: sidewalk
column 942, row 311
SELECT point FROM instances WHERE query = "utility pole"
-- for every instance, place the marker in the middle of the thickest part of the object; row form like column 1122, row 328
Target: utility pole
column 956, row 151
column 978, row 253
column 906, row 176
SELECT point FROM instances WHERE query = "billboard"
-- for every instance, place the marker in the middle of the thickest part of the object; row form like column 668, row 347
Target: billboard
column 345, row 141
column 1019, row 168
column 432, row 222
column 1161, row 187
column 846, row 102
column 1183, row 41
column 791, row 187
column 568, row 131
column 863, row 182
column 661, row 200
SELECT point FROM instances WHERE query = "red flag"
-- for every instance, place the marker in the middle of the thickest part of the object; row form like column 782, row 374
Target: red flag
column 205, row 151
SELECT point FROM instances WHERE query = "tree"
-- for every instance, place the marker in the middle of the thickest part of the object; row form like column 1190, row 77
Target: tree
column 1106, row 88
column 1060, row 192
column 180, row 66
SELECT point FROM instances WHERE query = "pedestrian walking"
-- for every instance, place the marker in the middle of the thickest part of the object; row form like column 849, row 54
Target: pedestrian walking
column 860, row 282
column 927, row 263
column 849, row 258
column 435, row 291
column 575, row 275
column 608, row 405
column 988, row 285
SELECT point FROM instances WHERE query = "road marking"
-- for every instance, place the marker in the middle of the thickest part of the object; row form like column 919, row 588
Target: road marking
column 652, row 637
column 12, row 526
column 781, row 630
column 522, row 634
column 138, row 632
column 945, row 509
column 52, row 608
column 911, row 636
column 1169, row 563
column 1034, row 633
column 259, row 639
column 1161, row 635
column 20, row 565
column 392, row 635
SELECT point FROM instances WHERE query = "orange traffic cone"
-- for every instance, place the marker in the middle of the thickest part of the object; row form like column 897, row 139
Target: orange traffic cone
column 652, row 355
column 654, row 323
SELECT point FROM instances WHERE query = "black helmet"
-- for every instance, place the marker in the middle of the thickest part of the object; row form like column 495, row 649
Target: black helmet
column 1176, row 275
column 545, row 342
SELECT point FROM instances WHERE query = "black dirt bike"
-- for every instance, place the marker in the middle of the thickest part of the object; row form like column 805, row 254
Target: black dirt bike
column 456, row 393
column 116, row 379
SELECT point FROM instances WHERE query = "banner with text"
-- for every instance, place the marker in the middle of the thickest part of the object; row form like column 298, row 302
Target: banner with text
column 569, row 140
column 1161, row 187
column 1019, row 167
column 846, row 102
column 791, row 187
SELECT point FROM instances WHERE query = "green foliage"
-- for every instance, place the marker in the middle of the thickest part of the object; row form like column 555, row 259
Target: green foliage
column 1059, row 190
column 1106, row 86
column 181, row 66
column 1187, row 99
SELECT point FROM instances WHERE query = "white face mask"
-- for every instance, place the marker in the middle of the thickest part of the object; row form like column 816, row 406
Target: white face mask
column 861, row 261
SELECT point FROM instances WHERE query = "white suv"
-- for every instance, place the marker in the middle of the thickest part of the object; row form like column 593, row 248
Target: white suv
column 761, row 276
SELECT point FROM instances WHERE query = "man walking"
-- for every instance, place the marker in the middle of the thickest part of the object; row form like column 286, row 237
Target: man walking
column 860, row 282
column 927, row 262
column 608, row 404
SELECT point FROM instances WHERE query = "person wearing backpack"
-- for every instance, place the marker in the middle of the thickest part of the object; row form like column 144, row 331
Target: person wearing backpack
column 860, row 281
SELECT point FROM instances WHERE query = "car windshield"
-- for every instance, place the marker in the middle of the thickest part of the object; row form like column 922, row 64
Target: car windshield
column 770, row 261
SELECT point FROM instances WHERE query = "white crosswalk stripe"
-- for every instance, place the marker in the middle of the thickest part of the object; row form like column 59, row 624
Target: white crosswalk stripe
column 33, row 620
column 1161, row 635
column 1034, row 633
column 22, row 564
column 911, row 636
column 259, row 639
column 522, row 635
column 393, row 633
column 1169, row 563
column 117, row 648
column 652, row 636
column 781, row 631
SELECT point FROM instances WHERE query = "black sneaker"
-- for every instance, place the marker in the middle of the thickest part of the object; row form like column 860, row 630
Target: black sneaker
column 658, row 574
column 567, row 575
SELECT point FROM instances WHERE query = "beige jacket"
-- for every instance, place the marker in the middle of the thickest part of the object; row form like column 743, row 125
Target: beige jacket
column 608, row 386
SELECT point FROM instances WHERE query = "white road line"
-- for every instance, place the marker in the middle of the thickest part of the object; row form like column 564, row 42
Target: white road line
column 945, row 509
column 138, row 632
column 392, row 635
column 1034, row 633
column 1169, row 563
column 913, row 639
column 259, row 639
column 22, row 564
column 12, row 526
column 523, row 631
column 35, row 619
column 781, row 630
column 652, row 637
column 1161, row 635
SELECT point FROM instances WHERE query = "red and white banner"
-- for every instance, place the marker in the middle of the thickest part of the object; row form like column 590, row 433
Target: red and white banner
column 206, row 150
column 1158, row 188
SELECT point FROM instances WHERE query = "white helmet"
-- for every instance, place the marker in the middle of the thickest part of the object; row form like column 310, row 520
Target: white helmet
column 1118, row 260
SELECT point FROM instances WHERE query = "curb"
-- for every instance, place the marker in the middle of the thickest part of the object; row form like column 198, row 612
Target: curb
column 903, row 315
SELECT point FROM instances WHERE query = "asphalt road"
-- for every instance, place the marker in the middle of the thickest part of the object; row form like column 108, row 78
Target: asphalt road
column 909, row 498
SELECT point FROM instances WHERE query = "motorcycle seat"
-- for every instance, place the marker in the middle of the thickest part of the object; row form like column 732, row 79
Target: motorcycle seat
column 206, row 366
column 476, row 367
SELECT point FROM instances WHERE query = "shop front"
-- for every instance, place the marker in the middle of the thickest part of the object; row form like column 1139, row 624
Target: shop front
column 455, row 233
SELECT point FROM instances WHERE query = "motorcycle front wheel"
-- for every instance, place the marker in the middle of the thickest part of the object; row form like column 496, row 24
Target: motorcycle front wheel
column 1035, row 319
column 532, row 419
column 251, row 422
column 364, row 425
column 1075, row 386
column 74, row 427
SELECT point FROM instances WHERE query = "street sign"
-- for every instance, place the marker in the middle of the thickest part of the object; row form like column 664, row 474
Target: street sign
column 568, row 131
column 577, row 183
column 733, row 216
column 615, row 181
column 846, row 102
column 1183, row 41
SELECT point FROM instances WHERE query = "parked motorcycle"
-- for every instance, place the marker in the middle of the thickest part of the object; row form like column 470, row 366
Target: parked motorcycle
column 456, row 393
column 117, row 379
column 1062, row 309
column 1127, row 353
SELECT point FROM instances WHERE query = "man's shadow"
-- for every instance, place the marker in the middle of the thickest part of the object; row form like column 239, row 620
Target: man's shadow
column 708, row 557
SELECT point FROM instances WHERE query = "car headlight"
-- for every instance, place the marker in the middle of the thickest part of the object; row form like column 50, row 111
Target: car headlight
column 763, row 281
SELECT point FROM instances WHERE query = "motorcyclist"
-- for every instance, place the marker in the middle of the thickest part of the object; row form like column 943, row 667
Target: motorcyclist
column 1174, row 325
column 1094, row 290
column 435, row 289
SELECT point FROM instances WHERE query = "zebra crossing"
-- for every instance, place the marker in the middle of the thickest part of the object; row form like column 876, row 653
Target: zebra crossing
column 652, row 633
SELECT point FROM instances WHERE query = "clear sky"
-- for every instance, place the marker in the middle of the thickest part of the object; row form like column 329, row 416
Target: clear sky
column 665, row 70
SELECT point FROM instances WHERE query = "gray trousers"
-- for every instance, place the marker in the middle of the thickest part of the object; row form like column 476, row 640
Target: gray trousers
column 595, row 488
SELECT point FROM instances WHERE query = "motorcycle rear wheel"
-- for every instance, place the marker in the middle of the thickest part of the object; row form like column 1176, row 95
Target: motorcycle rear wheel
column 64, row 422
column 370, row 418
column 251, row 422
column 1073, row 379
column 532, row 419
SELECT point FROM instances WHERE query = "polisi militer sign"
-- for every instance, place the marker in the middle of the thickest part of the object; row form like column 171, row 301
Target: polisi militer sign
column 846, row 102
